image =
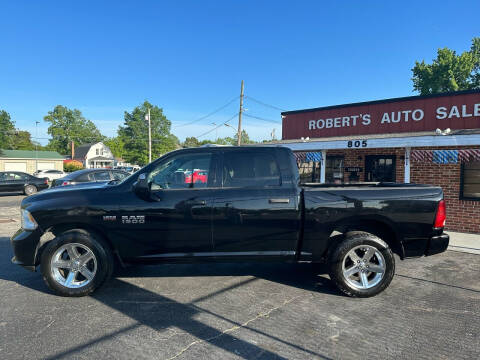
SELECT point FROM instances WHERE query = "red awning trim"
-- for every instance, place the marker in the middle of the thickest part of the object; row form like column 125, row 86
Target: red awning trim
column 465, row 155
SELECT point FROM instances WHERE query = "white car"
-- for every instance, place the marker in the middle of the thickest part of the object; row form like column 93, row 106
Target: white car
column 129, row 169
column 50, row 174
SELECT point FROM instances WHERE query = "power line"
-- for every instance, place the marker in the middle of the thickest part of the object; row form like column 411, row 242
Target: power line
column 264, row 104
column 260, row 118
column 215, row 128
column 208, row 115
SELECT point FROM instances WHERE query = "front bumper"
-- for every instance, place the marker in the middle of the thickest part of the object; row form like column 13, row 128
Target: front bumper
column 25, row 244
column 437, row 244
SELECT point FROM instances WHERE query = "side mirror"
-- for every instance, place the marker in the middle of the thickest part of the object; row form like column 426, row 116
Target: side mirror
column 141, row 187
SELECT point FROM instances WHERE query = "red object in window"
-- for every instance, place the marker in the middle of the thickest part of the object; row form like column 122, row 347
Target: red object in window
column 199, row 176
column 65, row 183
column 441, row 215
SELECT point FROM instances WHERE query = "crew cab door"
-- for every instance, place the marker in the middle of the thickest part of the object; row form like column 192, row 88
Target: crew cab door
column 175, row 222
column 254, row 214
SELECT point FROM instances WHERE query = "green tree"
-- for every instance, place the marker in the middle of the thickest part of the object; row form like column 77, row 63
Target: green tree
column 191, row 142
column 23, row 141
column 117, row 146
column 245, row 139
column 7, row 130
column 475, row 50
column 134, row 134
column 68, row 125
column 449, row 71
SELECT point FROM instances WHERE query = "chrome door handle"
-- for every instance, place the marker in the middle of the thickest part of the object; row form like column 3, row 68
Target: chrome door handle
column 279, row 201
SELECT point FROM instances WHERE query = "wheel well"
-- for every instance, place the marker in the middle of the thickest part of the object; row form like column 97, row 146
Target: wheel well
column 378, row 228
column 56, row 230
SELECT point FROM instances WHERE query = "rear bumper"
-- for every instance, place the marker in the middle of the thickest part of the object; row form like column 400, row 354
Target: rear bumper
column 437, row 244
column 24, row 245
column 43, row 186
column 415, row 247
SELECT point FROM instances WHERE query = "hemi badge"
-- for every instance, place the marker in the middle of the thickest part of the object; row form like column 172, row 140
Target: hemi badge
column 109, row 218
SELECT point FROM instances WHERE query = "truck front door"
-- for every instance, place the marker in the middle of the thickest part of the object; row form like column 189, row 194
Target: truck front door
column 176, row 221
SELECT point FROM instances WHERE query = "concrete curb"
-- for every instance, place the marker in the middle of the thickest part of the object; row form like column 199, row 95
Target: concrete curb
column 463, row 242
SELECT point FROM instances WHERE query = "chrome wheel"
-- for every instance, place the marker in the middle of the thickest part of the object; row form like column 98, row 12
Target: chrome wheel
column 73, row 265
column 30, row 190
column 363, row 267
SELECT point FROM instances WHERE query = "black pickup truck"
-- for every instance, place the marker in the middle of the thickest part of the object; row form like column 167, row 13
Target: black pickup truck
column 228, row 204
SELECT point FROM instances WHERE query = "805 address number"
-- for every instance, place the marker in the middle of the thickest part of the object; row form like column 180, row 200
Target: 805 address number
column 357, row 143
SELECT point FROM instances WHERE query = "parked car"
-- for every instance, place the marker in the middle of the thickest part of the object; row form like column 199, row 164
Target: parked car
column 14, row 181
column 253, row 208
column 50, row 174
column 90, row 175
column 129, row 169
column 199, row 176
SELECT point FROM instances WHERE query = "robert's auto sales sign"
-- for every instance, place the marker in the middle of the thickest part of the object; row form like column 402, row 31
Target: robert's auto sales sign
column 412, row 114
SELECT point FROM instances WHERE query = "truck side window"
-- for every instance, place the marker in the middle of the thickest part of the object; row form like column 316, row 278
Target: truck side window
column 102, row 176
column 250, row 169
column 182, row 172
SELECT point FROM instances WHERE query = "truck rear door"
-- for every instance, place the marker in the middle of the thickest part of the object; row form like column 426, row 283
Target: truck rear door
column 254, row 214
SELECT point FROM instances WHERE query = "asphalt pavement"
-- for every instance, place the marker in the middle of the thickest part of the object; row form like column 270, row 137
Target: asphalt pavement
column 241, row 311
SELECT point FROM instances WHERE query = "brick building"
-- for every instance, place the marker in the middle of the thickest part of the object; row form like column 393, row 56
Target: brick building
column 420, row 139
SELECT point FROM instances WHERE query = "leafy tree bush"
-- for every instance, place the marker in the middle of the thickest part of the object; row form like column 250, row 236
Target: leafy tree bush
column 134, row 134
column 72, row 165
column 68, row 125
column 449, row 71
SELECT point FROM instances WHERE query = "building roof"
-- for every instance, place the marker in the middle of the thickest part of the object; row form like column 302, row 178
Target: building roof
column 383, row 101
column 30, row 154
column 82, row 150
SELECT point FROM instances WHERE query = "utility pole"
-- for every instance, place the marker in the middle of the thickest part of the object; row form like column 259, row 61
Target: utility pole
column 36, row 145
column 239, row 133
column 149, row 137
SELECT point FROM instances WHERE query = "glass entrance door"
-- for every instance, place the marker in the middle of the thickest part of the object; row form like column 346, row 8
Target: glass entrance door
column 380, row 168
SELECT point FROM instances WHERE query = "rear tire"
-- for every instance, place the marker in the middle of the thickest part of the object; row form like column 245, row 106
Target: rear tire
column 30, row 190
column 76, row 263
column 362, row 265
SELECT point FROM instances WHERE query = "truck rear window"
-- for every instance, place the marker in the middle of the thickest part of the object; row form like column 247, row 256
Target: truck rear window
column 250, row 169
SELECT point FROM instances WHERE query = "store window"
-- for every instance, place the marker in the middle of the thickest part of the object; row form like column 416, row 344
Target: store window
column 309, row 172
column 380, row 168
column 470, row 184
column 334, row 169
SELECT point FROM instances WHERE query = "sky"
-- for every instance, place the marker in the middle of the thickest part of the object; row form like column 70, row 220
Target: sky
column 189, row 57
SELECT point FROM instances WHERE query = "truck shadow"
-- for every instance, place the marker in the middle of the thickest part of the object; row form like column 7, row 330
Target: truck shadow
column 303, row 276
column 151, row 309
column 159, row 313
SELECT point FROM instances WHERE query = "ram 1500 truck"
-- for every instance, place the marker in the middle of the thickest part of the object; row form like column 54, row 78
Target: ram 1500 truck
column 251, row 207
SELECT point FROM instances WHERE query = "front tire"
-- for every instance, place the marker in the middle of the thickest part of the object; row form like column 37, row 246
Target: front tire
column 362, row 265
column 76, row 263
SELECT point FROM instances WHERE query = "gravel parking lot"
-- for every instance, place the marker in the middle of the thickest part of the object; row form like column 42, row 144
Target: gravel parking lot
column 250, row 311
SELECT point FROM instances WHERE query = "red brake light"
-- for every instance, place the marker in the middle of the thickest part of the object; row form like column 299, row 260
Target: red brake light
column 441, row 215
column 45, row 181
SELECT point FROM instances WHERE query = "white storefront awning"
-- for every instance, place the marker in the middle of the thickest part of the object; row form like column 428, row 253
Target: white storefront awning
column 364, row 142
